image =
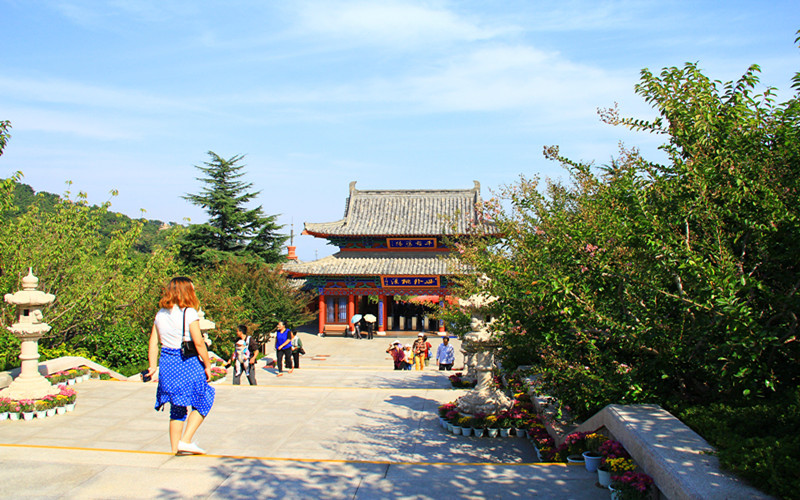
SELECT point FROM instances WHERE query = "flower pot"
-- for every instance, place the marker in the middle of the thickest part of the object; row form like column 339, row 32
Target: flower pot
column 449, row 427
column 61, row 410
column 27, row 415
column 456, row 430
column 71, row 381
column 50, row 412
column 13, row 415
column 520, row 433
column 592, row 460
column 478, row 432
column 604, row 478
column 70, row 406
column 41, row 413
column 505, row 432
column 442, row 423
column 491, row 432
column 4, row 415
column 615, row 494
column 466, row 431
column 575, row 459
column 85, row 377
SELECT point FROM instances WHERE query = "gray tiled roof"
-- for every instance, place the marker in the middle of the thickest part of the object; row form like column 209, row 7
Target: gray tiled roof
column 403, row 212
column 379, row 263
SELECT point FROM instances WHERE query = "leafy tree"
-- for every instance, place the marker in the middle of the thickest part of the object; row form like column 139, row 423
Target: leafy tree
column 673, row 283
column 255, row 294
column 232, row 231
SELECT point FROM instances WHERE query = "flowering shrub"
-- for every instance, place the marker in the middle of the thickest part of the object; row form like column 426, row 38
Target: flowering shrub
column 218, row 373
column 632, row 485
column 26, row 405
column 491, row 422
column 618, row 465
column 576, row 442
column 459, row 382
column 6, row 405
column 613, row 449
column 70, row 394
column 451, row 415
column 443, row 409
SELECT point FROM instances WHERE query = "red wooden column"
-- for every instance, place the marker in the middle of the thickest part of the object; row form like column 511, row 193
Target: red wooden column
column 321, row 313
column 350, row 312
column 382, row 315
column 441, row 322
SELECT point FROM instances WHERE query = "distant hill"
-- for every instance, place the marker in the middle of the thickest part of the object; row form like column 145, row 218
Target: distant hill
column 153, row 231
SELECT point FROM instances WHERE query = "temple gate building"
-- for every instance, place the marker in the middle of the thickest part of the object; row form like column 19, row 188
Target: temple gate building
column 391, row 244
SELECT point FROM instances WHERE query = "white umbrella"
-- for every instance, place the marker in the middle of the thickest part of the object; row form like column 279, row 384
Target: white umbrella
column 356, row 318
column 370, row 318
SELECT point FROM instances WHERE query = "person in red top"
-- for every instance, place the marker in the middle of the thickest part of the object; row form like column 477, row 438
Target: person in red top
column 399, row 357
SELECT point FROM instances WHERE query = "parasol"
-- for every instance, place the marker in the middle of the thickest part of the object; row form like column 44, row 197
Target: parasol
column 370, row 318
column 356, row 318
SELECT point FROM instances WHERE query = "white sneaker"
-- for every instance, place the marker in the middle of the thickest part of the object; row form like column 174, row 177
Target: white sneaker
column 189, row 449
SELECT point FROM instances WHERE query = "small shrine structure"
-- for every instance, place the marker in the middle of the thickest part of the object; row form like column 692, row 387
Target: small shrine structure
column 391, row 243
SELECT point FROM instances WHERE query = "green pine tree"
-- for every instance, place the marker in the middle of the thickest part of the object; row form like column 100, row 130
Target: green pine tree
column 233, row 232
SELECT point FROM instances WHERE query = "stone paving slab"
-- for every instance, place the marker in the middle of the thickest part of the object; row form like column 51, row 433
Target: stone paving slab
column 355, row 433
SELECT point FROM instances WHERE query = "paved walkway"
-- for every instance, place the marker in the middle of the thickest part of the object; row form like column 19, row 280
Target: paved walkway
column 342, row 426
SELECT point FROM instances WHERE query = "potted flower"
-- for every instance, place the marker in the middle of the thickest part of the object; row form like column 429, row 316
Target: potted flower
column 631, row 485
column 613, row 466
column 26, row 407
column 451, row 417
column 504, row 422
column 83, row 372
column 592, row 456
column 575, row 446
column 443, row 409
column 478, row 424
column 105, row 376
column 71, row 396
column 13, row 410
column 71, row 376
column 51, row 404
column 40, row 407
column 465, row 422
column 60, row 403
column 491, row 426
column 5, row 407
column 218, row 373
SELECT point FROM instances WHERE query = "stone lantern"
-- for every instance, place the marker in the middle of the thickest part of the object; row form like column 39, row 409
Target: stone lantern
column 29, row 329
column 479, row 347
column 205, row 326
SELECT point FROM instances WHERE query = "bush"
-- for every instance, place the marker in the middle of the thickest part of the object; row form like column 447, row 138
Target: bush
column 758, row 443
column 120, row 347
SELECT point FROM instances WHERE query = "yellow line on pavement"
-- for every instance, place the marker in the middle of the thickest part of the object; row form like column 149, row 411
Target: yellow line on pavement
column 287, row 459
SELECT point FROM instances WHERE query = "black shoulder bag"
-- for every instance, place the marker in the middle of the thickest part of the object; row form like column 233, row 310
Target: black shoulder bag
column 188, row 349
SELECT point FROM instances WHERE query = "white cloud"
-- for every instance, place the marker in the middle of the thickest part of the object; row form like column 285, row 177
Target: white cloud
column 399, row 24
column 91, row 96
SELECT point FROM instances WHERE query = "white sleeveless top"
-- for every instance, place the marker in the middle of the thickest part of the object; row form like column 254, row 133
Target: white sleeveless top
column 168, row 324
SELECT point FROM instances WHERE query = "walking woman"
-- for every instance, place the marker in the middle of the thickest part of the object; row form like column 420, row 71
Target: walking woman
column 283, row 347
column 183, row 376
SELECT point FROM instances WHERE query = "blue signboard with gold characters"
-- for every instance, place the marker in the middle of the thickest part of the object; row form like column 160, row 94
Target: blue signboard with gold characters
column 410, row 281
column 410, row 243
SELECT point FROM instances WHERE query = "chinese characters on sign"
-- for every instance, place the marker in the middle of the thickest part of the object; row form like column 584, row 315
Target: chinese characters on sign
column 410, row 281
column 410, row 243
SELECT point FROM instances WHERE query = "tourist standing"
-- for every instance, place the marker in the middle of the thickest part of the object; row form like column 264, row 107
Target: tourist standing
column 445, row 355
column 283, row 347
column 297, row 349
column 428, row 348
column 419, row 350
column 244, row 356
column 184, row 372
column 398, row 356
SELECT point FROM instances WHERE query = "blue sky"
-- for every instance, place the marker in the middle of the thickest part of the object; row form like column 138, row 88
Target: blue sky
column 129, row 95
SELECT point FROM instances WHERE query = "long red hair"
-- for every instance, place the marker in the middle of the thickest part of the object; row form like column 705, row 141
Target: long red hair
column 179, row 291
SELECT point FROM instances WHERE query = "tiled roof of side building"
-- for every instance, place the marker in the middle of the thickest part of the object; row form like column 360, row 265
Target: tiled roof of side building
column 422, row 212
column 378, row 263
